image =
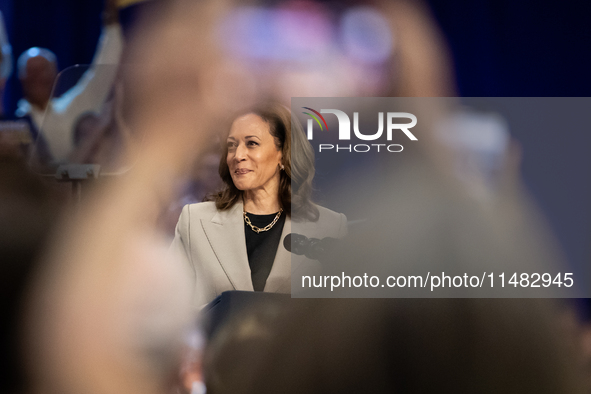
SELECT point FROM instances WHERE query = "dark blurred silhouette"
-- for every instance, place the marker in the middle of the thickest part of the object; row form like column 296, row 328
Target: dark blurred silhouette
column 238, row 330
column 28, row 211
column 398, row 346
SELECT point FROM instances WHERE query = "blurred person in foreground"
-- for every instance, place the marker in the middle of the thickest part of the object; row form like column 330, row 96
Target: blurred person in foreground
column 236, row 241
column 28, row 212
column 106, row 311
column 103, row 138
column 54, row 118
column 395, row 346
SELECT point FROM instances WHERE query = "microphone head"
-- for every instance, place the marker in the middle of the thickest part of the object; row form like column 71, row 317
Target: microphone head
column 318, row 249
column 312, row 248
column 287, row 242
column 296, row 243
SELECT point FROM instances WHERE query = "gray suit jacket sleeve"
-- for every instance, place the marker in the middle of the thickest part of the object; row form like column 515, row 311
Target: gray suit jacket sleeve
column 181, row 250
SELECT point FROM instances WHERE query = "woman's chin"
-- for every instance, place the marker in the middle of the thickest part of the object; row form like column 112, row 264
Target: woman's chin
column 240, row 186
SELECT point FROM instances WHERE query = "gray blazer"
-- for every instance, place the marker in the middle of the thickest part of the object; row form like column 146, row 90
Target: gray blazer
column 213, row 244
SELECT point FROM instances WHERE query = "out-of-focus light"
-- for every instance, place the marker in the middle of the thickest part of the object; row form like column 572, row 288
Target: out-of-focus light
column 366, row 35
column 478, row 132
column 34, row 52
column 288, row 33
column 479, row 142
column 305, row 32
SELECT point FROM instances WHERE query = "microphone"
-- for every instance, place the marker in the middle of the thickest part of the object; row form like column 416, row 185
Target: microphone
column 312, row 248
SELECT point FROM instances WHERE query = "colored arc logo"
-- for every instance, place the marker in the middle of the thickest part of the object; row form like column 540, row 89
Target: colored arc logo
column 316, row 117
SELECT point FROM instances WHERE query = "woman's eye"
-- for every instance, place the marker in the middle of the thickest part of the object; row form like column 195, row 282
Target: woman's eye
column 231, row 145
column 252, row 143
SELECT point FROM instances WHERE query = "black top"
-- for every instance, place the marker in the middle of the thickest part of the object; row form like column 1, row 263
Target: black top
column 261, row 248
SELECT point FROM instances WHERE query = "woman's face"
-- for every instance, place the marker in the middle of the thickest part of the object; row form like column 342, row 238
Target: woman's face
column 253, row 158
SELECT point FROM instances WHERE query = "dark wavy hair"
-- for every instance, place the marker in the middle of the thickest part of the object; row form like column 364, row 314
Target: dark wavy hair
column 295, row 182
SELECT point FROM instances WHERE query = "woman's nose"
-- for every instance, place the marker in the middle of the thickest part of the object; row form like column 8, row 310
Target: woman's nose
column 240, row 153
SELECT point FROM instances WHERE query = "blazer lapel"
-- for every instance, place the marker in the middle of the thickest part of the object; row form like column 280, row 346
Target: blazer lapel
column 279, row 277
column 225, row 233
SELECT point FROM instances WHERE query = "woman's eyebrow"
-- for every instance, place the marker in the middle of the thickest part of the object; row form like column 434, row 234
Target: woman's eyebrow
column 253, row 136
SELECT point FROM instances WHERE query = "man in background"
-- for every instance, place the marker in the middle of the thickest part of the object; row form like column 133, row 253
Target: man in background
column 54, row 118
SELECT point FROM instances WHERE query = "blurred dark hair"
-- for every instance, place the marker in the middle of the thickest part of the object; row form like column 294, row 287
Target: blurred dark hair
column 295, row 183
column 236, row 338
column 380, row 346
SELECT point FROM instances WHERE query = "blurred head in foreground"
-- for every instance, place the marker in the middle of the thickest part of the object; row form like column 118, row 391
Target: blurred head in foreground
column 237, row 339
column 401, row 346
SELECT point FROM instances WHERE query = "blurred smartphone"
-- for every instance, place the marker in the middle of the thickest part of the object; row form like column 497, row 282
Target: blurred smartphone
column 305, row 48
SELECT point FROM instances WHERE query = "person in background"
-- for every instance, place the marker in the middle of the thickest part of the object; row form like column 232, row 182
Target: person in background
column 54, row 118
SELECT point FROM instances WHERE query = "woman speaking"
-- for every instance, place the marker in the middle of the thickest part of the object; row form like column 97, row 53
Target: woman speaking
column 235, row 242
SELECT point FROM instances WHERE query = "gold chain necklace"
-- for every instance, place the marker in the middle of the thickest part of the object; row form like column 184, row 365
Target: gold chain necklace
column 267, row 227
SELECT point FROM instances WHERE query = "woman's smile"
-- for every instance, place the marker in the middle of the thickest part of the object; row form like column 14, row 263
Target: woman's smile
column 242, row 171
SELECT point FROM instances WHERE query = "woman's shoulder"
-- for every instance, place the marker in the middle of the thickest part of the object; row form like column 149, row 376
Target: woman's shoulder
column 328, row 221
column 324, row 214
column 200, row 210
column 328, row 214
